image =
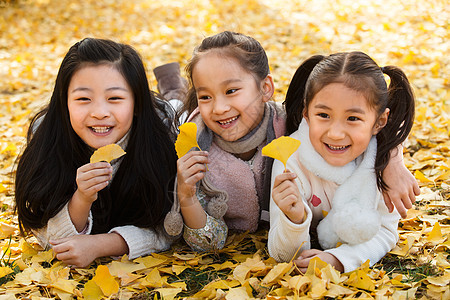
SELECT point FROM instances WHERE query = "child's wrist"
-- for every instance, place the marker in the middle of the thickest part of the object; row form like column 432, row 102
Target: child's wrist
column 187, row 201
column 297, row 219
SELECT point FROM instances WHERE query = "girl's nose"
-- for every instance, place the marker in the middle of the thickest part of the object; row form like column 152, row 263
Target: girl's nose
column 100, row 110
column 220, row 106
column 336, row 132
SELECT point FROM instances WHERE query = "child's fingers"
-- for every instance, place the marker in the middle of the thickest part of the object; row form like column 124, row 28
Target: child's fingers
column 86, row 174
column 192, row 166
column 283, row 177
column 93, row 185
column 305, row 257
column 310, row 253
column 302, row 263
column 199, row 156
column 416, row 190
column 388, row 202
column 61, row 246
column 55, row 242
column 94, row 166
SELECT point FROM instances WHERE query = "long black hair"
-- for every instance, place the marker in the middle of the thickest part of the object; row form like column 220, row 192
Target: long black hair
column 359, row 72
column 140, row 193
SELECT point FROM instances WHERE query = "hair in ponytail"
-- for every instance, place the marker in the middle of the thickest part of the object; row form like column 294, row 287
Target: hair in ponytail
column 401, row 118
column 294, row 103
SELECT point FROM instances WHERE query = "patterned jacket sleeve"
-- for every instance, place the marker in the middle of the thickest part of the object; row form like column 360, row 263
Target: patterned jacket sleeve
column 211, row 237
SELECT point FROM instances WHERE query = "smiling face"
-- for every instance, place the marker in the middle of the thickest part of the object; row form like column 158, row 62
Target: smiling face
column 341, row 123
column 230, row 101
column 100, row 104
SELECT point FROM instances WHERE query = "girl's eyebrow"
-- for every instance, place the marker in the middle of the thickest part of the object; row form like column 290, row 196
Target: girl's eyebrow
column 355, row 110
column 223, row 83
column 108, row 89
column 117, row 88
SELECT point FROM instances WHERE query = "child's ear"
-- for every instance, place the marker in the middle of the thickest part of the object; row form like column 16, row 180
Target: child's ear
column 268, row 88
column 381, row 122
column 305, row 115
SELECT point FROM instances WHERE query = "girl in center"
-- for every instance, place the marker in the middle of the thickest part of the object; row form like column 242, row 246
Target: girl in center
column 229, row 102
column 348, row 122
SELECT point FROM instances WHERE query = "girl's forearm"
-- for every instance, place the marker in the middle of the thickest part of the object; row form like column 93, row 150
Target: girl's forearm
column 193, row 214
column 110, row 244
column 79, row 211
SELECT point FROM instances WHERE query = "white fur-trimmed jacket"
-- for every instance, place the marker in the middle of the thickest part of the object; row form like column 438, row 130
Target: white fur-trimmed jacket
column 286, row 237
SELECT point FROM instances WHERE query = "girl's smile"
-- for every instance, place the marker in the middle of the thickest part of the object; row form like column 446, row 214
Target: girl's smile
column 100, row 104
column 338, row 148
column 228, row 122
column 101, row 130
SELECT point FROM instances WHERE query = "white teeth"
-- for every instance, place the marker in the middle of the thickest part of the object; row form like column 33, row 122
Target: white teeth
column 101, row 129
column 227, row 121
column 337, row 148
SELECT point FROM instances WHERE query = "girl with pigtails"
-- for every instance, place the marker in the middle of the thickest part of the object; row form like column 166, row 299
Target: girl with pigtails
column 349, row 124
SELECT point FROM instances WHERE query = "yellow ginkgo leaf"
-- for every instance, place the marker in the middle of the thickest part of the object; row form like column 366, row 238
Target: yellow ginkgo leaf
column 421, row 177
column 105, row 281
column 168, row 293
column 276, row 273
column 361, row 280
column 5, row 271
column 187, row 139
column 107, row 153
column 435, row 234
column 92, row 291
column 281, row 148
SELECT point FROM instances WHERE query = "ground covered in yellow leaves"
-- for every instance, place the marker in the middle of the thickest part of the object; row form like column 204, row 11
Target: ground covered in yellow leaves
column 414, row 35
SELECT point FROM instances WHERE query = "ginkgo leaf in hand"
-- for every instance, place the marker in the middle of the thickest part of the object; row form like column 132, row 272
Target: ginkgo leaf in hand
column 107, row 153
column 187, row 139
column 281, row 148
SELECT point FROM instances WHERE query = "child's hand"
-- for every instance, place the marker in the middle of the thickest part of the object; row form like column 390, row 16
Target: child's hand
column 403, row 187
column 81, row 250
column 91, row 178
column 77, row 250
column 191, row 169
column 286, row 195
column 303, row 260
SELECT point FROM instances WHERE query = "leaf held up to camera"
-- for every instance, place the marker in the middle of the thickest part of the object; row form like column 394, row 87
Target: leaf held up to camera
column 281, row 148
column 187, row 139
column 107, row 153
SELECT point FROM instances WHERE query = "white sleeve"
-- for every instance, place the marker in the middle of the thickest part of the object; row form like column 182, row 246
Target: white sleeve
column 285, row 237
column 60, row 226
column 352, row 256
column 143, row 241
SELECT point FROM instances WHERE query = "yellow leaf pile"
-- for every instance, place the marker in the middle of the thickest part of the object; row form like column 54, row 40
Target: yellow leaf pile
column 281, row 148
column 107, row 153
column 187, row 139
column 414, row 35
